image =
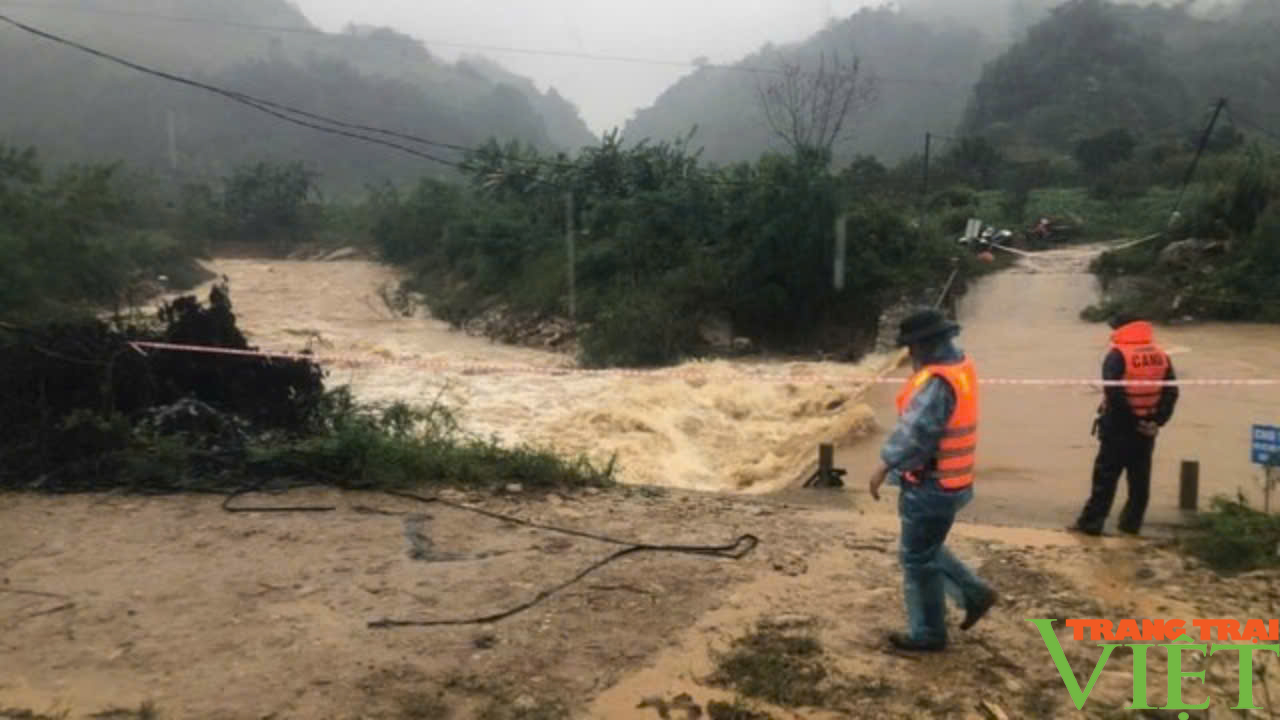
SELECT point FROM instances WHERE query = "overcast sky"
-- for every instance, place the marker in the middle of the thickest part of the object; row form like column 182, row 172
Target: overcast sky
column 605, row 92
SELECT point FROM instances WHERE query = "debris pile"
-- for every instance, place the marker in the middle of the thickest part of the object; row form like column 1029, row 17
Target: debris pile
column 76, row 395
column 502, row 324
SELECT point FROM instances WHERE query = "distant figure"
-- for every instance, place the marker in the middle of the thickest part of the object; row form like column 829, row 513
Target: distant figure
column 930, row 455
column 1128, row 421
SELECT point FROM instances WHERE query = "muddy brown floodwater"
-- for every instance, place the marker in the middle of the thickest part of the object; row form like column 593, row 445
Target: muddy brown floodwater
column 753, row 426
column 713, row 426
column 1036, row 454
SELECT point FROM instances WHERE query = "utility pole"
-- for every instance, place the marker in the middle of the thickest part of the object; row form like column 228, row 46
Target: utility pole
column 842, row 245
column 173, row 140
column 928, row 142
column 569, row 240
column 1204, row 143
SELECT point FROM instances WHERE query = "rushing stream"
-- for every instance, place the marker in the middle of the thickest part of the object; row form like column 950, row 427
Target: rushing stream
column 754, row 426
column 722, row 425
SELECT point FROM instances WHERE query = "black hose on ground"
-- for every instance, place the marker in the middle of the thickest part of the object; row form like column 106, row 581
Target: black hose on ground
column 736, row 550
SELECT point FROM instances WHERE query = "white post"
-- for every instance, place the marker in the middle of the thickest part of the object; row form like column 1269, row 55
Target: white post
column 573, row 301
column 842, row 249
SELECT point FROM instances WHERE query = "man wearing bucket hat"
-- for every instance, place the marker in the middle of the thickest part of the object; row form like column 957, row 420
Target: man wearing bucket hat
column 930, row 456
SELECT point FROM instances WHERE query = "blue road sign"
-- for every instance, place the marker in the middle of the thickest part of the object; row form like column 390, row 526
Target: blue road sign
column 1265, row 448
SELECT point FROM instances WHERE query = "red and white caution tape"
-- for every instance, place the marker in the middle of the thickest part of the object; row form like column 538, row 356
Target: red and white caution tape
column 367, row 360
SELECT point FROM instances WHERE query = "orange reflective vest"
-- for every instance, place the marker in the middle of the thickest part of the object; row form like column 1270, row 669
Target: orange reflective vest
column 956, row 451
column 1143, row 361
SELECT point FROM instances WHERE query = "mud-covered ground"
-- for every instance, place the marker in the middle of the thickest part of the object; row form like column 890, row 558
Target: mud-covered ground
column 113, row 602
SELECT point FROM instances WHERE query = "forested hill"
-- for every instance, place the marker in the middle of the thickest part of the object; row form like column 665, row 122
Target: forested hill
column 1040, row 73
column 75, row 108
column 1154, row 71
column 925, row 73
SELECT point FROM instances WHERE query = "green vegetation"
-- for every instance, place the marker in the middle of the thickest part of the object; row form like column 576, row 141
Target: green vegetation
column 672, row 253
column 783, row 669
column 1121, row 91
column 922, row 69
column 1219, row 261
column 85, row 238
column 663, row 246
column 270, row 209
column 785, row 665
column 1234, row 537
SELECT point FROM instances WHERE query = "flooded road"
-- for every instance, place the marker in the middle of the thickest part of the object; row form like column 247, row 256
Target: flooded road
column 1035, row 452
column 713, row 426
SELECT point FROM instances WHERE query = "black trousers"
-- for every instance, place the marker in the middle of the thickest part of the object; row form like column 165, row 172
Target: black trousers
column 1121, row 450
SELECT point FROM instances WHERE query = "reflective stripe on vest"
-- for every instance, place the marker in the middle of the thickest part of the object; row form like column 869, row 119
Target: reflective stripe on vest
column 1144, row 363
column 953, row 464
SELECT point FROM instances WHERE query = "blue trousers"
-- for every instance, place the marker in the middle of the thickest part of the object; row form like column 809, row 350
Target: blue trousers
column 930, row 572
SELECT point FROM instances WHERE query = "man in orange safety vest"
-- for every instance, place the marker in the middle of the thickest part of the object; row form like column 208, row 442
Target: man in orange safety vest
column 930, row 456
column 1128, row 421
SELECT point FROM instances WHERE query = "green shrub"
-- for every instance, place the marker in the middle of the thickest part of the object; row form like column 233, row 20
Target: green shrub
column 271, row 204
column 639, row 330
column 1099, row 153
column 662, row 244
column 77, row 242
column 1233, row 537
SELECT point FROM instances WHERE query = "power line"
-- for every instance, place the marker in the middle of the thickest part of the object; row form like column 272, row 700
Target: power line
column 265, row 106
column 1237, row 120
column 332, row 126
column 279, row 110
column 268, row 103
column 755, row 70
column 169, row 18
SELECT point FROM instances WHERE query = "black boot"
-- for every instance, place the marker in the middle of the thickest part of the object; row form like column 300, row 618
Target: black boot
column 974, row 614
column 903, row 641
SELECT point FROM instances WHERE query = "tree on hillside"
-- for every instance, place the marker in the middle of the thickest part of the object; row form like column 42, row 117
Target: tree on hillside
column 975, row 161
column 810, row 110
column 1092, row 65
column 1098, row 153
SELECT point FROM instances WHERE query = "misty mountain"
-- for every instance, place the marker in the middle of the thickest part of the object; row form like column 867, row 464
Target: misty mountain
column 74, row 107
column 564, row 124
column 1039, row 73
column 1093, row 66
column 923, row 72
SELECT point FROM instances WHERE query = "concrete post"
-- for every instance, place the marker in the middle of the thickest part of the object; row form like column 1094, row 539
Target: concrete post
column 1189, row 485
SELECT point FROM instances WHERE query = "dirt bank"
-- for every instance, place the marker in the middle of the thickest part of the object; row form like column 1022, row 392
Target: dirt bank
column 110, row 602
